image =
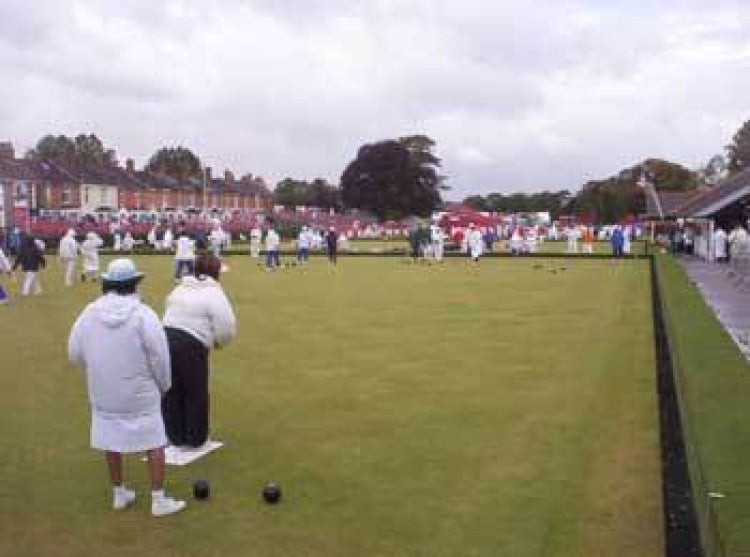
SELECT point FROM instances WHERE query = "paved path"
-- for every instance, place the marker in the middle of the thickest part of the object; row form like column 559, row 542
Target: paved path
column 727, row 293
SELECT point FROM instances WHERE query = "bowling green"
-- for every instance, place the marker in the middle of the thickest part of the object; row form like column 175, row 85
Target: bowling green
column 405, row 410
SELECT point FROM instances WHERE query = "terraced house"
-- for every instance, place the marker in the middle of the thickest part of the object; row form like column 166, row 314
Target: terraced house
column 49, row 189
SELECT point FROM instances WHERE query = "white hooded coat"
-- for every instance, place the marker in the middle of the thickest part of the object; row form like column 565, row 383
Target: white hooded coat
column 122, row 347
column 68, row 246
column 90, row 251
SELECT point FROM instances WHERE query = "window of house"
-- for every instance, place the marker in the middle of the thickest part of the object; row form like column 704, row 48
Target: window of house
column 66, row 195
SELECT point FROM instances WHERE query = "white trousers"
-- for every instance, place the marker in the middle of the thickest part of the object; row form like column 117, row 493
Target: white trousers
column 70, row 271
column 30, row 279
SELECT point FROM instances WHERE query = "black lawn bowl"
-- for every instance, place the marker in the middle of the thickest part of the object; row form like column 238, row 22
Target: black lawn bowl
column 271, row 493
column 201, row 489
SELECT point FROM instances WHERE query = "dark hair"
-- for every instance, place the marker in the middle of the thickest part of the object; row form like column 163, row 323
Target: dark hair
column 208, row 265
column 120, row 288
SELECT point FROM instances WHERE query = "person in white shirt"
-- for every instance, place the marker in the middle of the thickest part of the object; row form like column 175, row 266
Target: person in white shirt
column 572, row 235
column 304, row 243
column 198, row 317
column 184, row 257
column 531, row 240
column 516, row 241
column 5, row 267
column 437, row 240
column 122, row 347
column 90, row 250
column 5, row 264
column 720, row 245
column 216, row 240
column 738, row 242
column 255, row 239
column 168, row 239
column 128, row 243
column 474, row 242
column 273, row 243
column 114, row 230
column 68, row 252
column 626, row 242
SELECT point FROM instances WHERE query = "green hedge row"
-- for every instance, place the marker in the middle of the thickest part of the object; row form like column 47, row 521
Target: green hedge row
column 712, row 380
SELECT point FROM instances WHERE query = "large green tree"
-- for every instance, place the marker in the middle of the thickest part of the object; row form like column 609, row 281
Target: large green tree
column 178, row 162
column 738, row 151
column 84, row 149
column 520, row 202
column 291, row 193
column 394, row 179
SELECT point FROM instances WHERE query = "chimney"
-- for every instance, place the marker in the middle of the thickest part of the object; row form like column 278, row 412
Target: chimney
column 129, row 165
column 110, row 158
column 207, row 175
column 228, row 177
column 7, row 153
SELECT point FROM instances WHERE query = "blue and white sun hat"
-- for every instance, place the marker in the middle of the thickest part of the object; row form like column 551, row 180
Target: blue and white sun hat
column 121, row 270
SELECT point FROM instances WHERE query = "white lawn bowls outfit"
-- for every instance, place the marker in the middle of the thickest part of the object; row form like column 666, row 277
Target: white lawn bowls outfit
column 572, row 234
column 90, row 252
column 113, row 383
column 5, row 265
column 128, row 243
column 217, row 239
column 184, row 254
column 68, row 252
column 255, row 240
column 168, row 240
column 626, row 243
column 437, row 240
column 475, row 243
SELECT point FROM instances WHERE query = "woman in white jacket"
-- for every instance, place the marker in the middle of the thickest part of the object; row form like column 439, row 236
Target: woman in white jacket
column 123, row 349
column 68, row 252
column 198, row 317
column 90, row 250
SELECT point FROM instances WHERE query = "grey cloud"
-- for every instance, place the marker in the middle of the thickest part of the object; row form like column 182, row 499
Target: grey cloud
column 517, row 96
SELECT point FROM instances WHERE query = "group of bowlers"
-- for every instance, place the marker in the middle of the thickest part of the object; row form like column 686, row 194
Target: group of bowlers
column 148, row 378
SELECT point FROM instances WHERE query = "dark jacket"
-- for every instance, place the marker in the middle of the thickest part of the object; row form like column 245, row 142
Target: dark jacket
column 30, row 258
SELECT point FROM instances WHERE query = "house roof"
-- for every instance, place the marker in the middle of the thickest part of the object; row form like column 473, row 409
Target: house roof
column 715, row 199
column 23, row 169
column 664, row 204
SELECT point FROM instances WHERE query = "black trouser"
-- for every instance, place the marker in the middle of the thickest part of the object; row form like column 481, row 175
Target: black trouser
column 185, row 406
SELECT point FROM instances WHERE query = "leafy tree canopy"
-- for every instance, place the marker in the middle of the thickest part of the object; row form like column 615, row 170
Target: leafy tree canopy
column 178, row 162
column 319, row 193
column 394, row 179
column 738, row 151
column 84, row 149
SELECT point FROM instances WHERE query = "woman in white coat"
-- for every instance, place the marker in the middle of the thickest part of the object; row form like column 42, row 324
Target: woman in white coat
column 90, row 250
column 68, row 252
column 474, row 243
column 197, row 318
column 122, row 347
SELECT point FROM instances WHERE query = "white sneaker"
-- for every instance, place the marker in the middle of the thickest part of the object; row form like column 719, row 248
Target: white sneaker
column 123, row 499
column 164, row 506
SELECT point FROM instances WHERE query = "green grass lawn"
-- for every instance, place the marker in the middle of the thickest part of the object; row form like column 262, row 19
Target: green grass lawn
column 406, row 410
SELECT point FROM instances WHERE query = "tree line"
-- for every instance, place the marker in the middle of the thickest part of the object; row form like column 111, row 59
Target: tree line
column 401, row 177
column 619, row 196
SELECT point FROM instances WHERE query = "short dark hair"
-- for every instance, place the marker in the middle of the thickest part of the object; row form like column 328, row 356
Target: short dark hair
column 123, row 288
column 208, row 265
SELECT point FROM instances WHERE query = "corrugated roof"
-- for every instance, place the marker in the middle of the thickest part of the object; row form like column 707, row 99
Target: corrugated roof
column 715, row 199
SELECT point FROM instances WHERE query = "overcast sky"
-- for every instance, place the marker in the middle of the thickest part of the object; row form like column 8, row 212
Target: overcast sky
column 519, row 96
